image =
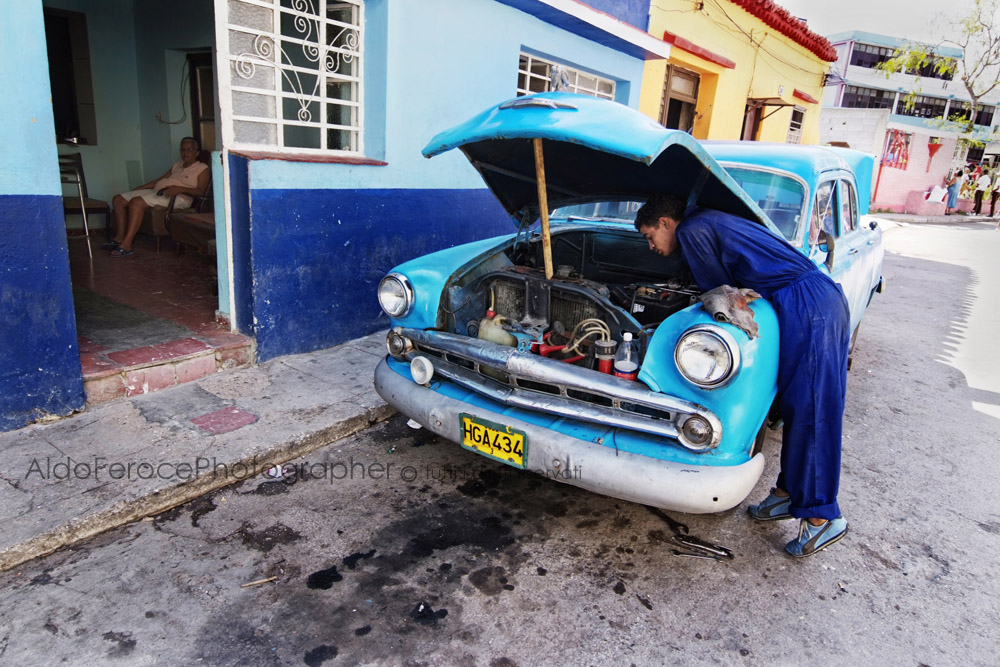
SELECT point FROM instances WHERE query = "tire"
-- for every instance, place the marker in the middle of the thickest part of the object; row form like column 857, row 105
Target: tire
column 758, row 442
column 850, row 347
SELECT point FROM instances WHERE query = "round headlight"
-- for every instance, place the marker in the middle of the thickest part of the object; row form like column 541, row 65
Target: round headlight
column 395, row 295
column 707, row 356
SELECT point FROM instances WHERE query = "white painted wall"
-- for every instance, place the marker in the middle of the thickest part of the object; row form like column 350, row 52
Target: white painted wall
column 862, row 129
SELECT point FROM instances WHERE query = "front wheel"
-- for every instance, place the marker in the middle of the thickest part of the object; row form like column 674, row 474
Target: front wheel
column 758, row 442
column 850, row 346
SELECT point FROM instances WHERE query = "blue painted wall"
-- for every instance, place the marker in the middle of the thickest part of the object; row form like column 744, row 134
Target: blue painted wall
column 351, row 239
column 635, row 12
column 39, row 360
column 239, row 214
column 323, row 235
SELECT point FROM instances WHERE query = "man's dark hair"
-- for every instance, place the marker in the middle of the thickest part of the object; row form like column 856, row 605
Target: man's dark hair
column 659, row 206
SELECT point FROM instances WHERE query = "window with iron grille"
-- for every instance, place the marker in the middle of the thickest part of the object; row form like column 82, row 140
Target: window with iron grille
column 960, row 150
column 795, row 126
column 856, row 97
column 294, row 80
column 923, row 107
column 534, row 76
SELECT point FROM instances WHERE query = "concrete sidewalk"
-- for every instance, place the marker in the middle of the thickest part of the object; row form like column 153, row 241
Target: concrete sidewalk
column 122, row 461
column 911, row 218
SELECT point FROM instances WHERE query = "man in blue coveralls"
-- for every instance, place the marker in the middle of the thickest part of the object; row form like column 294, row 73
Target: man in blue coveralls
column 814, row 322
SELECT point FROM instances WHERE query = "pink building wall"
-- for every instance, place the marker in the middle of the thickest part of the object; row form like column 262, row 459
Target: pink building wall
column 894, row 185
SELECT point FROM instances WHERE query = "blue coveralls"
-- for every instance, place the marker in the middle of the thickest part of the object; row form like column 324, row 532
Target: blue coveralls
column 814, row 322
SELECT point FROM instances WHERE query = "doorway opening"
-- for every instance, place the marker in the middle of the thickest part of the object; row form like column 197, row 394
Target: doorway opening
column 148, row 320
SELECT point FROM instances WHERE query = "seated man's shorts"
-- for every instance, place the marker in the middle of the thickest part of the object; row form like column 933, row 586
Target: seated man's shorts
column 153, row 199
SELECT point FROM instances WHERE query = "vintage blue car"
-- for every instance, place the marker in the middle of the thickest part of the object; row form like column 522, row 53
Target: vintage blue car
column 490, row 350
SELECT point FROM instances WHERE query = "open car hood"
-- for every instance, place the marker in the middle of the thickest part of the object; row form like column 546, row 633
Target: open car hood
column 593, row 149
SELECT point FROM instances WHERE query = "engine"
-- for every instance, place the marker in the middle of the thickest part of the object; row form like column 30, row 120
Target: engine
column 565, row 317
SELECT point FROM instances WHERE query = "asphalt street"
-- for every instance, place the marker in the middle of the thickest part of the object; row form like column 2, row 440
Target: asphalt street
column 394, row 547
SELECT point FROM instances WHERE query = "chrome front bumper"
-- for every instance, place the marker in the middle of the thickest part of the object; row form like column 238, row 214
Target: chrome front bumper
column 588, row 465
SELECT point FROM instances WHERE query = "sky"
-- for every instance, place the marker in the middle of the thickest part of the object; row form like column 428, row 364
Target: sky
column 923, row 20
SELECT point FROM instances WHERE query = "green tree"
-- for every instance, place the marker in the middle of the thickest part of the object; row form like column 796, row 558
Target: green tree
column 977, row 35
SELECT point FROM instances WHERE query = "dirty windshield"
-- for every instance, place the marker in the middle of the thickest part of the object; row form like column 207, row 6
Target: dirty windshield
column 780, row 197
column 621, row 210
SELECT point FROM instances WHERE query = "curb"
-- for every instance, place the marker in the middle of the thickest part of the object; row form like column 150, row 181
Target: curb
column 161, row 500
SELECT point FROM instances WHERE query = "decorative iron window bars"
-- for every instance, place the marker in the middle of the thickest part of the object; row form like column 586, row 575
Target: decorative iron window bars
column 295, row 74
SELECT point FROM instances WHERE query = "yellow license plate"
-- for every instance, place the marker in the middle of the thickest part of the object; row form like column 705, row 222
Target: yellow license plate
column 496, row 441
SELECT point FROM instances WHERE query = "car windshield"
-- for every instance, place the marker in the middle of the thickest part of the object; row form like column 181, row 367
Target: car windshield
column 781, row 197
column 622, row 210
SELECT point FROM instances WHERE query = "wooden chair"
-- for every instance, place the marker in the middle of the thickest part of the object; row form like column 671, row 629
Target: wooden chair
column 194, row 227
column 71, row 173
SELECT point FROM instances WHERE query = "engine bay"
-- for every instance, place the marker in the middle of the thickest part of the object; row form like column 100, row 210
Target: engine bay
column 606, row 284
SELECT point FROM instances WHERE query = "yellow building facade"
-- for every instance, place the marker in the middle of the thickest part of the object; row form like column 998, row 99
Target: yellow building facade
column 738, row 69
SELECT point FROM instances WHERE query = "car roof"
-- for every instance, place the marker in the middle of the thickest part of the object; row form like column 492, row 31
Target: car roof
column 810, row 163
column 804, row 161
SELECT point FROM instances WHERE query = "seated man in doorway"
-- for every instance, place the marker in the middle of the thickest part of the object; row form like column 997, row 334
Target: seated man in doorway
column 185, row 178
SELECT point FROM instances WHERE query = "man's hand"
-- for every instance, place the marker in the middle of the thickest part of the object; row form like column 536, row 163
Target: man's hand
column 172, row 191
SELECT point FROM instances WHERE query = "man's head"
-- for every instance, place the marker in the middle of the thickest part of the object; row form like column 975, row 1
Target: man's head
column 657, row 221
column 189, row 150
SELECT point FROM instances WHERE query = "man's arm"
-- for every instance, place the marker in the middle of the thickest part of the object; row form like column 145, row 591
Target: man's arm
column 203, row 178
column 152, row 183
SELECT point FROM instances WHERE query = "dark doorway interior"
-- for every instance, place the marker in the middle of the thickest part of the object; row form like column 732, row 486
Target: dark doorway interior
column 69, row 76
column 148, row 321
column 202, row 78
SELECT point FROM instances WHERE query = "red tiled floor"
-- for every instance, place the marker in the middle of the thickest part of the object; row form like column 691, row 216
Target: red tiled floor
column 160, row 283
column 181, row 289
column 86, row 345
column 139, row 356
column 95, row 365
column 184, row 347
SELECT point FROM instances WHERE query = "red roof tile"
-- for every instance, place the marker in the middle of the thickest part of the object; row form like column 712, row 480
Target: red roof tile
column 687, row 45
column 778, row 18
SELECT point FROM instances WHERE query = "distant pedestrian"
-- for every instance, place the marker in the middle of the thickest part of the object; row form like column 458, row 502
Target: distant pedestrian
column 994, row 194
column 954, row 184
column 982, row 185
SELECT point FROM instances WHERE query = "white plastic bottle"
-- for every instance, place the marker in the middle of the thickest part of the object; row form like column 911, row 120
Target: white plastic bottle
column 627, row 358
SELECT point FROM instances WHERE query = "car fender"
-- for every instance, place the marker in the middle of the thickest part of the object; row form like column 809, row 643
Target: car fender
column 741, row 404
column 429, row 274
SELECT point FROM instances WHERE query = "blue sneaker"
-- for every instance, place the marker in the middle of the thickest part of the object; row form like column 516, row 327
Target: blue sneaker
column 813, row 538
column 773, row 508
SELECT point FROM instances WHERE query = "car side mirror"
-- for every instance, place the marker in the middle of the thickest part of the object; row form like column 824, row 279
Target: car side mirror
column 827, row 244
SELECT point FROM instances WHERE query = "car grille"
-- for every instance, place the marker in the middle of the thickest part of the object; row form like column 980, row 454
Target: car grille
column 536, row 383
